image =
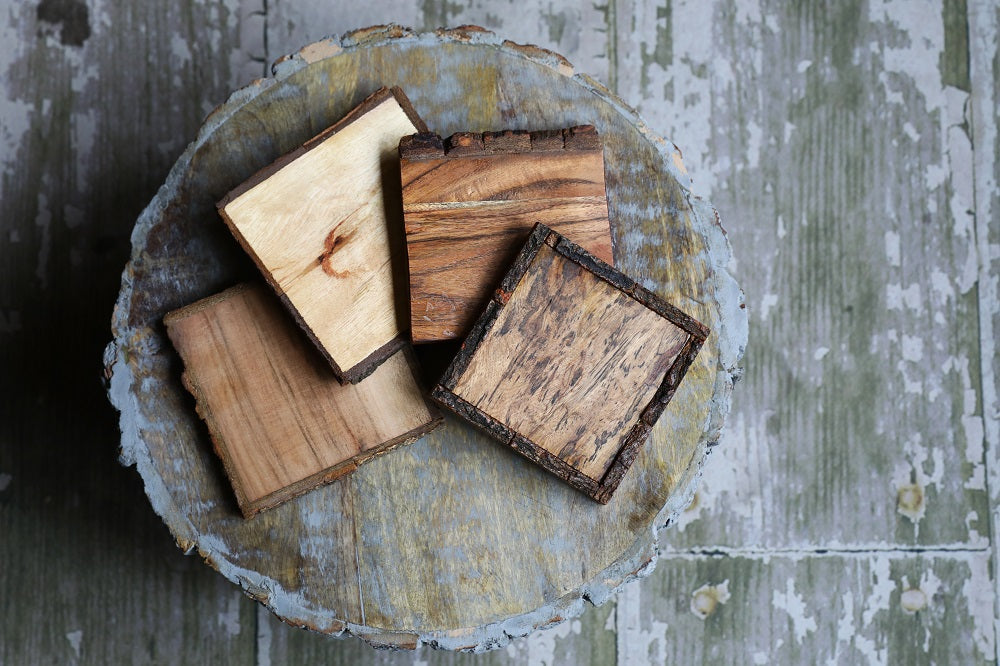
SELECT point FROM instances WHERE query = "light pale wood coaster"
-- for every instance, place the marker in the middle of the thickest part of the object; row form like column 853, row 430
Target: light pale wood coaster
column 322, row 224
column 280, row 421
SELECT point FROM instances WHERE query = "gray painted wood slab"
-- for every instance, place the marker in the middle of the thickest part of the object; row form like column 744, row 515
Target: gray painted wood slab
column 451, row 541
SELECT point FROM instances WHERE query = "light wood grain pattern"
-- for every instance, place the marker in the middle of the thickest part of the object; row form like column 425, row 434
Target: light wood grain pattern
column 280, row 421
column 470, row 202
column 320, row 224
column 571, row 364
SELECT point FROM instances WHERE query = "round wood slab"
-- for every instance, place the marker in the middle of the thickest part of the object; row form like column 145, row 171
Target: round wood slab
column 454, row 541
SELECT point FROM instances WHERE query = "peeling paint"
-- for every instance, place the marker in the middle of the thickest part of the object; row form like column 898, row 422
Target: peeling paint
column 892, row 251
column 637, row 645
column 882, row 587
column 75, row 639
column 229, row 619
column 5, row 480
column 792, row 603
column 978, row 592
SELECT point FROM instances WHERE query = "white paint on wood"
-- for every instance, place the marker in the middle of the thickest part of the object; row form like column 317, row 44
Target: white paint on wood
column 636, row 644
column 539, row 648
column 984, row 29
column 792, row 603
column 75, row 639
column 979, row 596
column 229, row 619
column 264, row 635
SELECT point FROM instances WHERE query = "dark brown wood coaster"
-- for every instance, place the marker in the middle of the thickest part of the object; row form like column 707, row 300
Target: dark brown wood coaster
column 571, row 363
column 469, row 203
column 319, row 223
column 279, row 419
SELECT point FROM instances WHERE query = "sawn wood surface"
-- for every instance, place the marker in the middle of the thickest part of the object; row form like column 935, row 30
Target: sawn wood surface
column 279, row 419
column 421, row 546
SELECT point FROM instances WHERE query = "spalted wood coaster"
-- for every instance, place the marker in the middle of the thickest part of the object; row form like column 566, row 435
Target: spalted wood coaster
column 320, row 223
column 469, row 204
column 279, row 419
column 571, row 363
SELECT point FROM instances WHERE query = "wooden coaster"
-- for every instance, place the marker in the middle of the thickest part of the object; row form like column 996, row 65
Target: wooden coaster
column 469, row 204
column 279, row 419
column 571, row 363
column 321, row 224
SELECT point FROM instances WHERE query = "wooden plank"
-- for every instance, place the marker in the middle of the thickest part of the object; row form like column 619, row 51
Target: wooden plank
column 320, row 225
column 572, row 364
column 97, row 100
column 793, row 608
column 279, row 420
column 857, row 272
column 469, row 203
column 984, row 75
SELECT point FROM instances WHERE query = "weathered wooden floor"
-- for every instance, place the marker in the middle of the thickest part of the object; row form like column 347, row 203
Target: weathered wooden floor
column 851, row 148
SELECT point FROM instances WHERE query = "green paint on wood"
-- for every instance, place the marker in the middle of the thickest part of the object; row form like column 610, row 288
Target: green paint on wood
column 662, row 52
column 437, row 13
column 955, row 58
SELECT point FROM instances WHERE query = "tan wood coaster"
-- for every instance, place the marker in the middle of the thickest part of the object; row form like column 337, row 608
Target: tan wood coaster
column 279, row 419
column 571, row 364
column 320, row 224
column 469, row 204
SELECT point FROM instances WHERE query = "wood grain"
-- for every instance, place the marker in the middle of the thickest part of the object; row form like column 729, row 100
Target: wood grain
column 470, row 202
column 279, row 419
column 568, row 366
column 744, row 89
column 320, row 224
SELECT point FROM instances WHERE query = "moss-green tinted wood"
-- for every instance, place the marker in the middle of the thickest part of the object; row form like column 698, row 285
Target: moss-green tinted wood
column 840, row 138
column 455, row 540
column 799, row 608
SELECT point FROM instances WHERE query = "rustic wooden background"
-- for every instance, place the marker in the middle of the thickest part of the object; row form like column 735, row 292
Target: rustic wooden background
column 851, row 148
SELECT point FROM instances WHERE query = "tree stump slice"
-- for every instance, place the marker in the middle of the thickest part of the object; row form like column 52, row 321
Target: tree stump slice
column 454, row 541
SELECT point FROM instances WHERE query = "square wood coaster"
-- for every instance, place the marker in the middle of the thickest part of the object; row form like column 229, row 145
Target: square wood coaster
column 279, row 419
column 469, row 204
column 571, row 363
column 321, row 223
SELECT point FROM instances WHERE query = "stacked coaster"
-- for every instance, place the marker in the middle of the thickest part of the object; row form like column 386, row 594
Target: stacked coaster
column 507, row 244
